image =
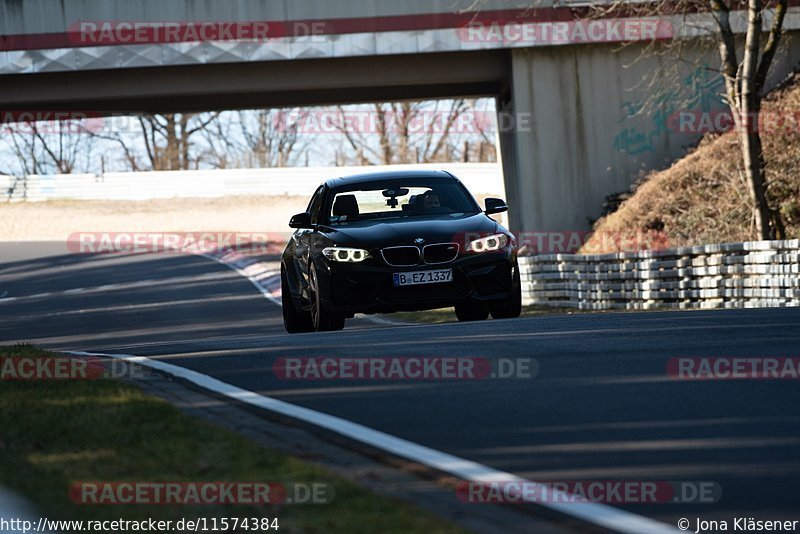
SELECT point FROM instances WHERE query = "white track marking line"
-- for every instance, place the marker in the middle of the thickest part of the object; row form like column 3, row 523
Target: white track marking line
column 262, row 289
column 264, row 277
column 113, row 287
column 76, row 291
column 598, row 514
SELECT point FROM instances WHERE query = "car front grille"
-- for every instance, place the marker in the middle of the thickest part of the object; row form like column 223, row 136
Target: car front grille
column 401, row 256
column 430, row 254
column 440, row 253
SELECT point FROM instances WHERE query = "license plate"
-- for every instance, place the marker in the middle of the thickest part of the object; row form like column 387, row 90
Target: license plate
column 423, row 277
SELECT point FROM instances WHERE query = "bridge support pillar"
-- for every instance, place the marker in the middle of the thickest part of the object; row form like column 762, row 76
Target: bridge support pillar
column 572, row 131
column 577, row 125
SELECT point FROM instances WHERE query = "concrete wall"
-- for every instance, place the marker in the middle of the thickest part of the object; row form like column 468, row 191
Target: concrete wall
column 479, row 178
column 38, row 16
column 584, row 139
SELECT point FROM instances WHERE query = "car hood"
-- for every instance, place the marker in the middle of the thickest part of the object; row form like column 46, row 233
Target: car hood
column 437, row 229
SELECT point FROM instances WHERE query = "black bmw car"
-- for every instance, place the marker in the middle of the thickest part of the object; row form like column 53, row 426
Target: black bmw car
column 399, row 241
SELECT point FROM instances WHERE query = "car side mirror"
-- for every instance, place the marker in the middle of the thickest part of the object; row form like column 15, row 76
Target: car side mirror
column 301, row 220
column 495, row 205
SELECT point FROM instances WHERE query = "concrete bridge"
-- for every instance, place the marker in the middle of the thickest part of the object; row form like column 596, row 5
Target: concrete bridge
column 569, row 94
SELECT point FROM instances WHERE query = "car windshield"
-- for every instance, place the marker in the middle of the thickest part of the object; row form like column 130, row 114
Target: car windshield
column 394, row 199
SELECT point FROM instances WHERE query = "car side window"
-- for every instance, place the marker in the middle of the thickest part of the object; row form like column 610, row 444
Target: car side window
column 315, row 205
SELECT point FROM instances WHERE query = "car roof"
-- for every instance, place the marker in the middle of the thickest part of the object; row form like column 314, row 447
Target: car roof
column 385, row 175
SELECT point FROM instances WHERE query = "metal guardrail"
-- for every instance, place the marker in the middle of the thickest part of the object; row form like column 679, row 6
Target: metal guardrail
column 480, row 178
column 736, row 275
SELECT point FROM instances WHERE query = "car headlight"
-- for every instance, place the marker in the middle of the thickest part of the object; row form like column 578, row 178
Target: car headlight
column 488, row 243
column 345, row 255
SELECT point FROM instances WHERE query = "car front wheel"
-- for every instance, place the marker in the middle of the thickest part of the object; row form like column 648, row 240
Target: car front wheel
column 294, row 321
column 323, row 319
column 511, row 308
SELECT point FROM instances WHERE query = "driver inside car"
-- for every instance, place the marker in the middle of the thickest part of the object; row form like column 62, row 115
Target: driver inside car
column 432, row 201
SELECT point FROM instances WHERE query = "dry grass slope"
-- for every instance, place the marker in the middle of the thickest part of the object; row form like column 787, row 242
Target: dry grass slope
column 703, row 198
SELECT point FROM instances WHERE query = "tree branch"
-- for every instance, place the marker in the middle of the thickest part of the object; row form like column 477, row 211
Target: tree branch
column 772, row 45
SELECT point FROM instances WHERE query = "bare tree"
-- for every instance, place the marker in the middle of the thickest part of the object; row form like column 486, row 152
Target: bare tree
column 48, row 147
column 260, row 138
column 413, row 132
column 272, row 137
column 168, row 139
column 745, row 64
column 130, row 157
column 221, row 146
column 744, row 78
column 745, row 85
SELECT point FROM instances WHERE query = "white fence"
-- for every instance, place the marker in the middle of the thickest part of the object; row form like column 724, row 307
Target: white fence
column 480, row 178
column 737, row 275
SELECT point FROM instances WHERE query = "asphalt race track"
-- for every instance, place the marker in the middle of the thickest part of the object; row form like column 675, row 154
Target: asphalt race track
column 602, row 406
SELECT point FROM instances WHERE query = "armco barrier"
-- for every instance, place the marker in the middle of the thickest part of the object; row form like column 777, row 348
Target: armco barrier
column 480, row 178
column 736, row 275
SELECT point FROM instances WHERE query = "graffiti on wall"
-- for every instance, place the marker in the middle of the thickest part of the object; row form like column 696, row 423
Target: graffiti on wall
column 700, row 91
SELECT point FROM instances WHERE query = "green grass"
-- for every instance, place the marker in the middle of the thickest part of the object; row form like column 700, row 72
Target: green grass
column 55, row 433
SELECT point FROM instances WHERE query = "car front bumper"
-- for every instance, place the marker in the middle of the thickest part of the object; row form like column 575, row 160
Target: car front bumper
column 368, row 287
